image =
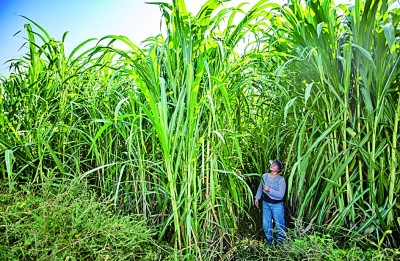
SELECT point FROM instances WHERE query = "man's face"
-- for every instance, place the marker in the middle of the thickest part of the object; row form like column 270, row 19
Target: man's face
column 274, row 167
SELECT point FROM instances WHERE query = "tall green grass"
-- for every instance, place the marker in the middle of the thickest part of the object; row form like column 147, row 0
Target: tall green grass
column 343, row 85
column 176, row 130
column 151, row 127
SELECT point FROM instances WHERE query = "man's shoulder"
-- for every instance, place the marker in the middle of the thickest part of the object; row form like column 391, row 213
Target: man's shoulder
column 281, row 178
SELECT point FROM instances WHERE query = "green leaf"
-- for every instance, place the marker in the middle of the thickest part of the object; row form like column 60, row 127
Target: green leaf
column 9, row 156
column 365, row 53
column 307, row 92
column 56, row 159
column 388, row 29
column 319, row 28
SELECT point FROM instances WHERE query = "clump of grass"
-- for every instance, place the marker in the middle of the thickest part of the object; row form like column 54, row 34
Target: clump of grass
column 312, row 246
column 70, row 222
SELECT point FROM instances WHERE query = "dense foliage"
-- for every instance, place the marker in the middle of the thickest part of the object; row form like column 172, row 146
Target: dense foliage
column 68, row 222
column 180, row 130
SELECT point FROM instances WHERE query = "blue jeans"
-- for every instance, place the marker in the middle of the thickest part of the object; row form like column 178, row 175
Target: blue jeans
column 274, row 213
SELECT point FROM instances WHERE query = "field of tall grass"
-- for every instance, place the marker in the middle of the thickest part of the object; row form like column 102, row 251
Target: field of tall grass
column 155, row 152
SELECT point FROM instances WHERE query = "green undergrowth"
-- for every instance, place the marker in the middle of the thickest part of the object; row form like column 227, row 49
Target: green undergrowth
column 313, row 246
column 70, row 222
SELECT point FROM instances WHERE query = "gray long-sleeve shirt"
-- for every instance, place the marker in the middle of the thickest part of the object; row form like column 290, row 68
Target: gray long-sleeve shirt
column 277, row 185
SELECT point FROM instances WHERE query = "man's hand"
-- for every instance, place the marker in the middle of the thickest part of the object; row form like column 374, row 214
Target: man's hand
column 267, row 188
column 256, row 202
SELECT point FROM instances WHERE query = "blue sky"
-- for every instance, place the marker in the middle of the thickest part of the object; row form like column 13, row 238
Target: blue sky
column 82, row 18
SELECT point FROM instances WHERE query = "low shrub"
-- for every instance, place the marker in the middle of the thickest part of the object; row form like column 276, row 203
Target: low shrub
column 70, row 222
column 313, row 246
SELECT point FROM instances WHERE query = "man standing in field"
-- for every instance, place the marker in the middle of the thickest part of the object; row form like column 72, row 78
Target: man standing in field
column 272, row 190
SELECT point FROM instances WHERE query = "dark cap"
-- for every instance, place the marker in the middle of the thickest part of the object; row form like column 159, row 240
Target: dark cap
column 278, row 163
